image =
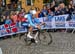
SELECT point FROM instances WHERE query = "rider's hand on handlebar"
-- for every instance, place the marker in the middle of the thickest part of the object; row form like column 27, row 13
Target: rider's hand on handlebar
column 38, row 26
column 43, row 23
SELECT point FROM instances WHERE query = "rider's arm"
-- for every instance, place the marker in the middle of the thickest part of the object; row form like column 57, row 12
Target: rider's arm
column 36, row 20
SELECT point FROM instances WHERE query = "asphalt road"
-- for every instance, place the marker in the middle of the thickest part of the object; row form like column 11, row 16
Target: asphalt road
column 63, row 43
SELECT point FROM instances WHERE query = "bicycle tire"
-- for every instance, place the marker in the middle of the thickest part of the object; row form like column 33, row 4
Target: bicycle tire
column 45, row 37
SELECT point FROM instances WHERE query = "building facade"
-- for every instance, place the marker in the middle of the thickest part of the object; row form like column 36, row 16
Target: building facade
column 27, row 4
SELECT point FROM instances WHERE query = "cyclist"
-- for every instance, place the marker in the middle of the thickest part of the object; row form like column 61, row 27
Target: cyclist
column 32, row 22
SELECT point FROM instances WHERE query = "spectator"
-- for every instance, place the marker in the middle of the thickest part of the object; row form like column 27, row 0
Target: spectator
column 62, row 8
column 3, row 20
column 71, row 3
column 48, row 8
column 13, row 6
column 41, row 14
column 22, row 12
column 67, row 10
column 7, row 12
column 18, row 6
column 23, row 19
column 57, row 12
column 50, row 15
column 52, row 6
column 14, row 17
column 20, row 17
column 44, row 11
column 8, row 20
column 1, row 10
column 37, row 12
column 70, row 9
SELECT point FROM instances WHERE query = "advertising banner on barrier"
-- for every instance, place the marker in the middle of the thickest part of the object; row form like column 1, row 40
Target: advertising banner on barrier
column 55, row 21
column 59, row 21
column 52, row 22
column 71, row 23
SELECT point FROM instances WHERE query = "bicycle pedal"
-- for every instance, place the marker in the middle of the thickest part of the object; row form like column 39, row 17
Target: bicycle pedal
column 33, row 40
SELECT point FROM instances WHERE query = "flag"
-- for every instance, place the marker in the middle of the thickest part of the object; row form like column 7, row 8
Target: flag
column 6, row 26
column 15, row 29
column 12, row 24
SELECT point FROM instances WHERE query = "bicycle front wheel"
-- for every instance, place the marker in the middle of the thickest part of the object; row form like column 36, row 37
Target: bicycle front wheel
column 45, row 38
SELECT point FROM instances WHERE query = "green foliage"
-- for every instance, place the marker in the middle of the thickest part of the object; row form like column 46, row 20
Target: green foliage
column 66, row 2
column 47, row 1
column 33, row 1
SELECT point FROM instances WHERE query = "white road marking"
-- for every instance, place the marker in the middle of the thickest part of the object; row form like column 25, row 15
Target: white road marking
column 0, row 51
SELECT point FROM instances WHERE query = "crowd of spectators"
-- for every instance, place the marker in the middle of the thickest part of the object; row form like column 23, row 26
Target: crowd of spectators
column 8, row 16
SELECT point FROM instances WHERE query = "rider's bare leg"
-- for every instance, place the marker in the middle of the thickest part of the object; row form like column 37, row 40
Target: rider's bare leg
column 30, row 31
column 36, row 37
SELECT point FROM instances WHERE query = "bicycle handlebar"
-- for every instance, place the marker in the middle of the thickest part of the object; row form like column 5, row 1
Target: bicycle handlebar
column 44, row 24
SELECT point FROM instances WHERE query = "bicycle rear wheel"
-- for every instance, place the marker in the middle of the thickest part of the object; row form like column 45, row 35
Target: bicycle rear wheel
column 45, row 37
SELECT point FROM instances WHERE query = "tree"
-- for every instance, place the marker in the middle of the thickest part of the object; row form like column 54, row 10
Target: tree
column 47, row 1
column 66, row 2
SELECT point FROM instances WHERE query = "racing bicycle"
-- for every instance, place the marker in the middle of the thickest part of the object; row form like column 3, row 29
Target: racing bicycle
column 42, row 36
